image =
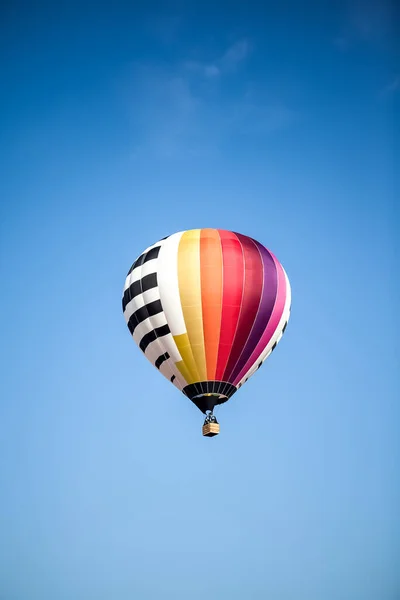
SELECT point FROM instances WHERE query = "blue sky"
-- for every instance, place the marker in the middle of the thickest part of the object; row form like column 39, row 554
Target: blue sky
column 122, row 124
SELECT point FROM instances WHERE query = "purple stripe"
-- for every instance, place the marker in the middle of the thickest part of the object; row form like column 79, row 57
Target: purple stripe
column 264, row 311
column 273, row 323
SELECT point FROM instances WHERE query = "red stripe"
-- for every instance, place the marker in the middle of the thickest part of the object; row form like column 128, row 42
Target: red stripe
column 233, row 275
column 252, row 290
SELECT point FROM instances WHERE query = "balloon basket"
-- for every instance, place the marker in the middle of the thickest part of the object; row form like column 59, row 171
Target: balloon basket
column 210, row 429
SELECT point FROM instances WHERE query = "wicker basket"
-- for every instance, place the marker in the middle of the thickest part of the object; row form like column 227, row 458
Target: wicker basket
column 210, row 429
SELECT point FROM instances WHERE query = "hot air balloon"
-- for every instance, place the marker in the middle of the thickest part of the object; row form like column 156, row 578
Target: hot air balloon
column 207, row 307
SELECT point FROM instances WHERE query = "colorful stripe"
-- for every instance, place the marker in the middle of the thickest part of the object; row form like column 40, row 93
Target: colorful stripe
column 273, row 340
column 252, row 290
column 233, row 278
column 211, row 295
column 270, row 286
column 273, row 321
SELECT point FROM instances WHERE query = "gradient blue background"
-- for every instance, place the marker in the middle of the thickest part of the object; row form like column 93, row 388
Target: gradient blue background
column 122, row 124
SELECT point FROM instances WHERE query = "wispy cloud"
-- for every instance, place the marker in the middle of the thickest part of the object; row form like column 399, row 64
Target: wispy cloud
column 341, row 42
column 235, row 55
column 259, row 119
column 392, row 87
column 164, row 28
column 206, row 69
column 365, row 21
column 229, row 62
column 163, row 112
column 181, row 110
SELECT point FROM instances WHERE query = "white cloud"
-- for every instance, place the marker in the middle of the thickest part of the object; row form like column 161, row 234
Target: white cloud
column 365, row 21
column 257, row 119
column 163, row 28
column 204, row 69
column 392, row 87
column 166, row 115
column 227, row 63
column 178, row 110
column 211, row 71
column 341, row 43
column 235, row 55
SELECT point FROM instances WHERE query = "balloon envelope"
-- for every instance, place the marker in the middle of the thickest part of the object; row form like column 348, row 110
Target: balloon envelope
column 207, row 307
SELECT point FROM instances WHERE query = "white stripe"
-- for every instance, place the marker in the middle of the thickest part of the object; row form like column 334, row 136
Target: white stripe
column 148, row 325
column 167, row 274
column 156, row 349
column 153, row 351
column 171, row 348
column 139, row 301
column 167, row 373
column 150, row 295
column 151, row 266
column 167, row 344
column 135, row 274
column 131, row 278
column 167, row 278
column 160, row 345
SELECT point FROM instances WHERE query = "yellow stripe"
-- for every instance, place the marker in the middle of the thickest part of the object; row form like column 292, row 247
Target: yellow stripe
column 187, row 366
column 190, row 294
column 184, row 371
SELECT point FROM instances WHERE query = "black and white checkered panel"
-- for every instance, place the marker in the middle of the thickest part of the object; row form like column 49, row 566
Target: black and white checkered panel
column 144, row 315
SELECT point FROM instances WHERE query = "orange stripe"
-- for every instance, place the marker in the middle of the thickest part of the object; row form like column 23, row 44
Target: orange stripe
column 211, row 295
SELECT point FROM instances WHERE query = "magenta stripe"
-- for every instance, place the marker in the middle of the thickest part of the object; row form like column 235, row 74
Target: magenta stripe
column 252, row 293
column 272, row 323
column 265, row 308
